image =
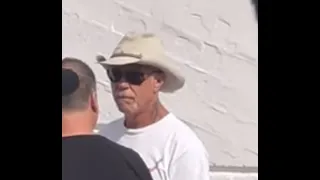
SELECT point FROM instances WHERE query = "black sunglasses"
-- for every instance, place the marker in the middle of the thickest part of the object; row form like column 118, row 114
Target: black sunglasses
column 134, row 77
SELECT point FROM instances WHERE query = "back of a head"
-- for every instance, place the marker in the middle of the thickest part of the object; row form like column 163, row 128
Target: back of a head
column 78, row 84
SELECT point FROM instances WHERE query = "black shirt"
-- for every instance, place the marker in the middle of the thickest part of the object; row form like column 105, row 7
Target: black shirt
column 93, row 157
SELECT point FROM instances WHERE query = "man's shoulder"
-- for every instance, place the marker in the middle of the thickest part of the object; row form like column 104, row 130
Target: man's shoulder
column 182, row 130
column 95, row 143
column 105, row 154
column 82, row 139
column 185, row 137
column 92, row 142
column 187, row 147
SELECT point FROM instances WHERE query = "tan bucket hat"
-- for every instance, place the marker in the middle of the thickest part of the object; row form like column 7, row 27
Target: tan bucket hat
column 145, row 49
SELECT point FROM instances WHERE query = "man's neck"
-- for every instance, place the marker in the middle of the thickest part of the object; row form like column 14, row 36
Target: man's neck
column 76, row 124
column 76, row 133
column 147, row 117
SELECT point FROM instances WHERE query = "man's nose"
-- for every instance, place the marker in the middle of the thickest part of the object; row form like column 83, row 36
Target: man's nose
column 121, row 85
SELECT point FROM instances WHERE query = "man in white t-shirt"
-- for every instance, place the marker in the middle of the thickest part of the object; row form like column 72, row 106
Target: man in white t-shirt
column 138, row 70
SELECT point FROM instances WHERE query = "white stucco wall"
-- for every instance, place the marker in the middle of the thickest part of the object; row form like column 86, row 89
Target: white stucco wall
column 215, row 44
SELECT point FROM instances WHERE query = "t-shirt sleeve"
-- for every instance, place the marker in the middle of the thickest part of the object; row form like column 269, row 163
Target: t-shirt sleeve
column 192, row 164
column 138, row 165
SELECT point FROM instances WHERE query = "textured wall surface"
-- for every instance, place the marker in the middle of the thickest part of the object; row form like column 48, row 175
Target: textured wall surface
column 214, row 42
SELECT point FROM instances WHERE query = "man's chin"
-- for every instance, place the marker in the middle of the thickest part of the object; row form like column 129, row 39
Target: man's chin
column 124, row 109
column 127, row 111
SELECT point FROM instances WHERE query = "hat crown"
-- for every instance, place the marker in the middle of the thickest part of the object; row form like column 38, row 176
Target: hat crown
column 142, row 46
column 146, row 49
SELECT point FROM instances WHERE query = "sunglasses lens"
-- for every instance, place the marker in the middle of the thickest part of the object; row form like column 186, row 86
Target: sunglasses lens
column 135, row 77
column 114, row 75
column 132, row 77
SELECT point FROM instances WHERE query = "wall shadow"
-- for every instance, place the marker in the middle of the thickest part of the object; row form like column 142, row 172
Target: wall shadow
column 255, row 4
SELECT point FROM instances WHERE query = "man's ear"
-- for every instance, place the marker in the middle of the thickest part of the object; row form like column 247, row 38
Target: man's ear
column 94, row 102
column 159, row 80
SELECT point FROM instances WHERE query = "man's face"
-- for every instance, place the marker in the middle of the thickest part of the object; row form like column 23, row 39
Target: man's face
column 134, row 86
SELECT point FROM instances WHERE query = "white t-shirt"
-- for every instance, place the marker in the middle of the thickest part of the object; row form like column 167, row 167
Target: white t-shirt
column 170, row 149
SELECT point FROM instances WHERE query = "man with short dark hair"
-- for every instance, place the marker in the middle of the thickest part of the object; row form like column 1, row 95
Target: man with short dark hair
column 87, row 156
column 139, row 70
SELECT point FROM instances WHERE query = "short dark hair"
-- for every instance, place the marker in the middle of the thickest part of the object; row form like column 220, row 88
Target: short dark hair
column 77, row 99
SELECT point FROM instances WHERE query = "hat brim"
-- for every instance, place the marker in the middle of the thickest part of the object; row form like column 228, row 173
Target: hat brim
column 173, row 82
column 120, row 61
